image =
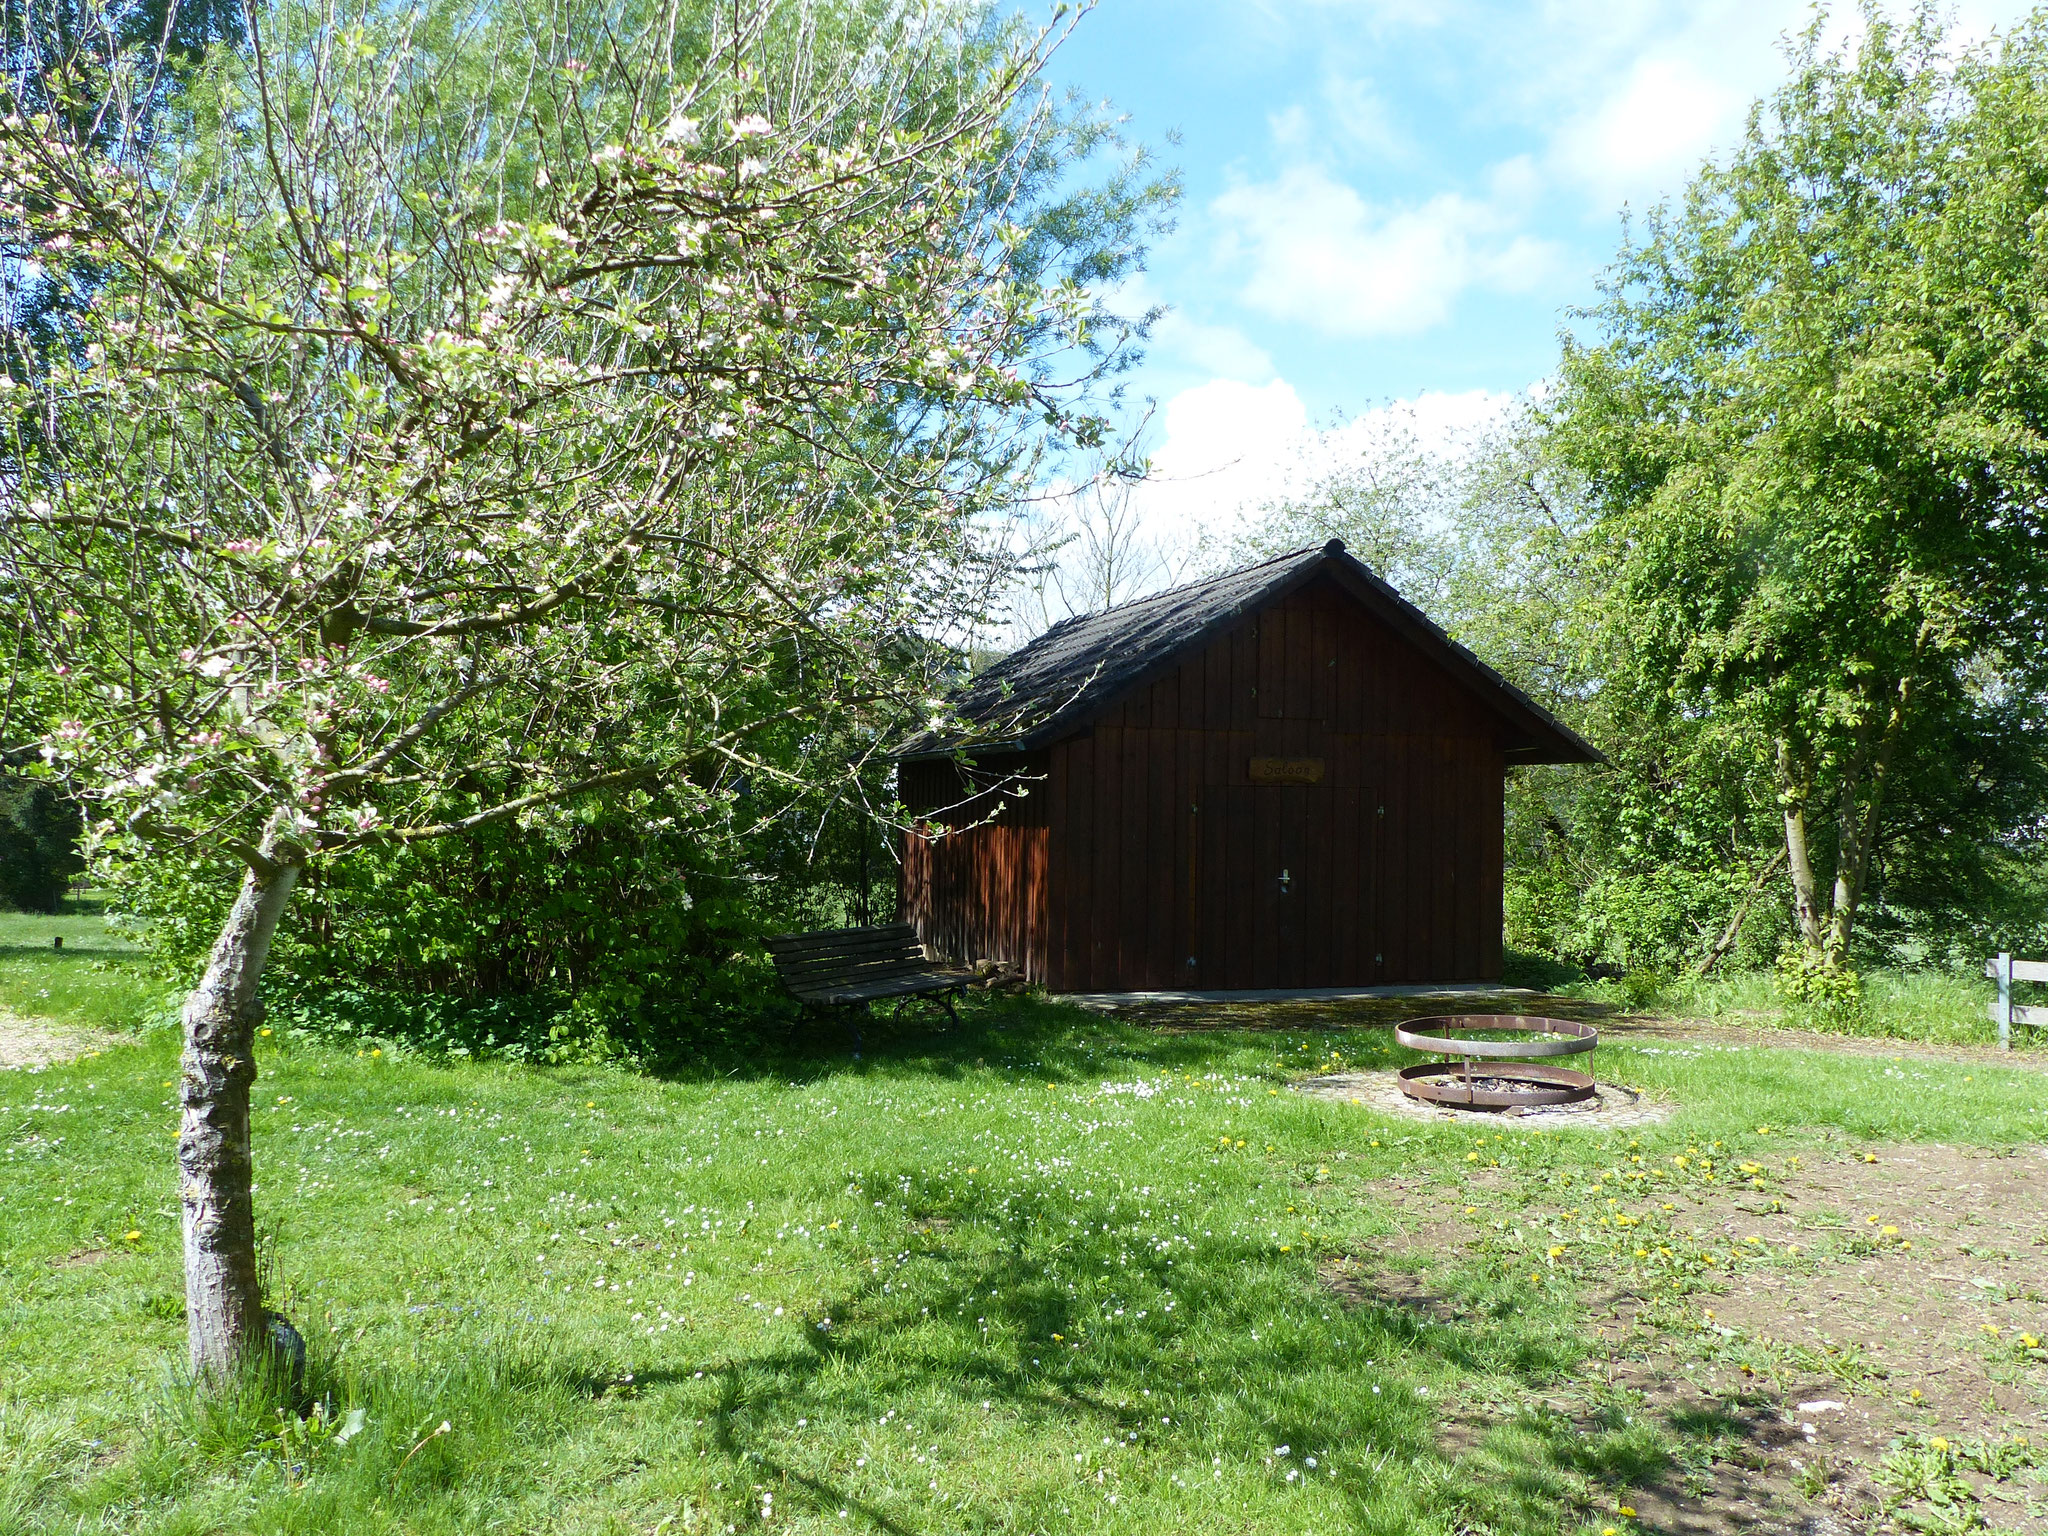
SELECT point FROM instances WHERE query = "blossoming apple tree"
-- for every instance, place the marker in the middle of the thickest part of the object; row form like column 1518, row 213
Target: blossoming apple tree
column 478, row 411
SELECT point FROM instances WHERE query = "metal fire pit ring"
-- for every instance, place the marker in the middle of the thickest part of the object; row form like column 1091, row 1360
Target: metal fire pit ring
column 1509, row 1079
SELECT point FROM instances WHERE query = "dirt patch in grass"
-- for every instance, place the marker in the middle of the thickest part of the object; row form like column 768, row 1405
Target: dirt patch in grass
column 1891, row 1373
column 83, row 1258
column 33, row 1043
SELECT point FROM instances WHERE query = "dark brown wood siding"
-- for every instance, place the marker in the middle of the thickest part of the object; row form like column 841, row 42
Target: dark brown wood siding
column 973, row 875
column 1150, row 860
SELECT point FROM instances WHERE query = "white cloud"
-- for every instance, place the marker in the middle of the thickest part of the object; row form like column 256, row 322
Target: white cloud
column 1223, row 351
column 1223, row 446
column 1651, row 134
column 1635, row 102
column 1227, row 447
column 1363, row 120
column 1183, row 345
column 1224, row 449
column 1318, row 253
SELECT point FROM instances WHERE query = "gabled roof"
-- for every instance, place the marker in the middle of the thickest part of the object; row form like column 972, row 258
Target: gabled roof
column 1061, row 681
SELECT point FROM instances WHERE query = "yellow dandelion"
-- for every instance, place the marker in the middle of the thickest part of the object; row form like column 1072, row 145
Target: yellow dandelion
column 132, row 1236
column 1938, row 1443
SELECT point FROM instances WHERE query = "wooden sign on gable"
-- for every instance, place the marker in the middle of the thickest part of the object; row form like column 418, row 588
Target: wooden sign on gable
column 1286, row 770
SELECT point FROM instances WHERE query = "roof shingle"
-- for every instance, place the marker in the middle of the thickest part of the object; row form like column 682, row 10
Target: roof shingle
column 1054, row 686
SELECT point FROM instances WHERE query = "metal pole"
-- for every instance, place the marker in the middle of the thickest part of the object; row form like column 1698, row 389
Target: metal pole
column 2004, row 1001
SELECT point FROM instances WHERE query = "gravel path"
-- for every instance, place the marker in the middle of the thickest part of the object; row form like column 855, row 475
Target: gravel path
column 33, row 1043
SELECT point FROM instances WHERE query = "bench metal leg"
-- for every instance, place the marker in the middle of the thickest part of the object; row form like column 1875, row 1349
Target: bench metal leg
column 942, row 999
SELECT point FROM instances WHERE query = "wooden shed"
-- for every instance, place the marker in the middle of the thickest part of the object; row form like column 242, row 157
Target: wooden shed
column 1284, row 777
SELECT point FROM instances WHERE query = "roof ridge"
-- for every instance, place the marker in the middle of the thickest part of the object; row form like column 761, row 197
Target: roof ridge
column 1184, row 589
column 1056, row 681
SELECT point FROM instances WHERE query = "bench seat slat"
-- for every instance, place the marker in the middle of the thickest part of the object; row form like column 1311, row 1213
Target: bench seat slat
column 900, row 986
column 856, row 957
column 872, row 963
column 860, row 965
column 863, row 963
column 844, row 939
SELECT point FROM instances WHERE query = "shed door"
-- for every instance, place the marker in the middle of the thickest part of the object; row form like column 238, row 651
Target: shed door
column 1284, row 886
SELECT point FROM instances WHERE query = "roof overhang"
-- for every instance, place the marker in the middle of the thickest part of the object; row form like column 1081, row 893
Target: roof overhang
column 1534, row 734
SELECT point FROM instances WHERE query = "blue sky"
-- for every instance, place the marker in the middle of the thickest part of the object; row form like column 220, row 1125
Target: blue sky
column 1398, row 200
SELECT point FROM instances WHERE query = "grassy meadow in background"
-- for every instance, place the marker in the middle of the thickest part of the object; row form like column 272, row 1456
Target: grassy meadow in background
column 98, row 980
column 1049, row 1272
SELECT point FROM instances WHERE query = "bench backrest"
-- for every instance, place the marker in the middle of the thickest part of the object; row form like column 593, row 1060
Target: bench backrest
column 838, row 957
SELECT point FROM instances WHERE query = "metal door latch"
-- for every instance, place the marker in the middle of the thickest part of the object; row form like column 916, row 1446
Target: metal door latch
column 1283, row 882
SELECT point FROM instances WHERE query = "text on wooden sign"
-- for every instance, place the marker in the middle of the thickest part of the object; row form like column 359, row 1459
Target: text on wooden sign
column 1286, row 770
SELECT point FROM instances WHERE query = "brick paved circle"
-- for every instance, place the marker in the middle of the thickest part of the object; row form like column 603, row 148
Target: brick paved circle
column 1611, row 1107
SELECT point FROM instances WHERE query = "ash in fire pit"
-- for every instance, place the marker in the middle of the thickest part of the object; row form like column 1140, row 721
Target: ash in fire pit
column 1510, row 1075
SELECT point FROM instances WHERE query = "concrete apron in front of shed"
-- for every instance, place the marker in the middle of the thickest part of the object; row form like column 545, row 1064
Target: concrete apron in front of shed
column 1104, row 1002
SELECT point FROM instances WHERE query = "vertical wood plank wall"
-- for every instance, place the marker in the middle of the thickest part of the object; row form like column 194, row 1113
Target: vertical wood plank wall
column 977, row 893
column 1148, row 847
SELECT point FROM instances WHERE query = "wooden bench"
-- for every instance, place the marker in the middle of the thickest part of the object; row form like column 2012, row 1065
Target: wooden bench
column 852, row 967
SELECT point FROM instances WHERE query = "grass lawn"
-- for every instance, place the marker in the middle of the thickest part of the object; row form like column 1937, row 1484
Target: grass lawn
column 1052, row 1272
column 97, row 980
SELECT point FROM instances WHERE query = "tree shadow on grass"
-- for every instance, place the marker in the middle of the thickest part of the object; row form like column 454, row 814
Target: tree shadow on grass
column 1097, row 1343
column 1057, row 1042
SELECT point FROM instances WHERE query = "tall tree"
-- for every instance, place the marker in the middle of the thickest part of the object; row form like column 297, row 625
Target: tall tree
column 71, row 62
column 483, row 407
column 1811, row 429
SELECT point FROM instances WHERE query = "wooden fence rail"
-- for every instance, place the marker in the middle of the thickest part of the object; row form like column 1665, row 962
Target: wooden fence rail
column 2004, row 1012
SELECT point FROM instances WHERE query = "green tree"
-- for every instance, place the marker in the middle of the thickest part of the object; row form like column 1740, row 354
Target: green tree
column 485, row 408
column 38, row 843
column 1810, row 432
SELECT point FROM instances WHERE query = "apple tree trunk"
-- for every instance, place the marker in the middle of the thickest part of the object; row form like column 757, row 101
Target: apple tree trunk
column 223, row 1294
